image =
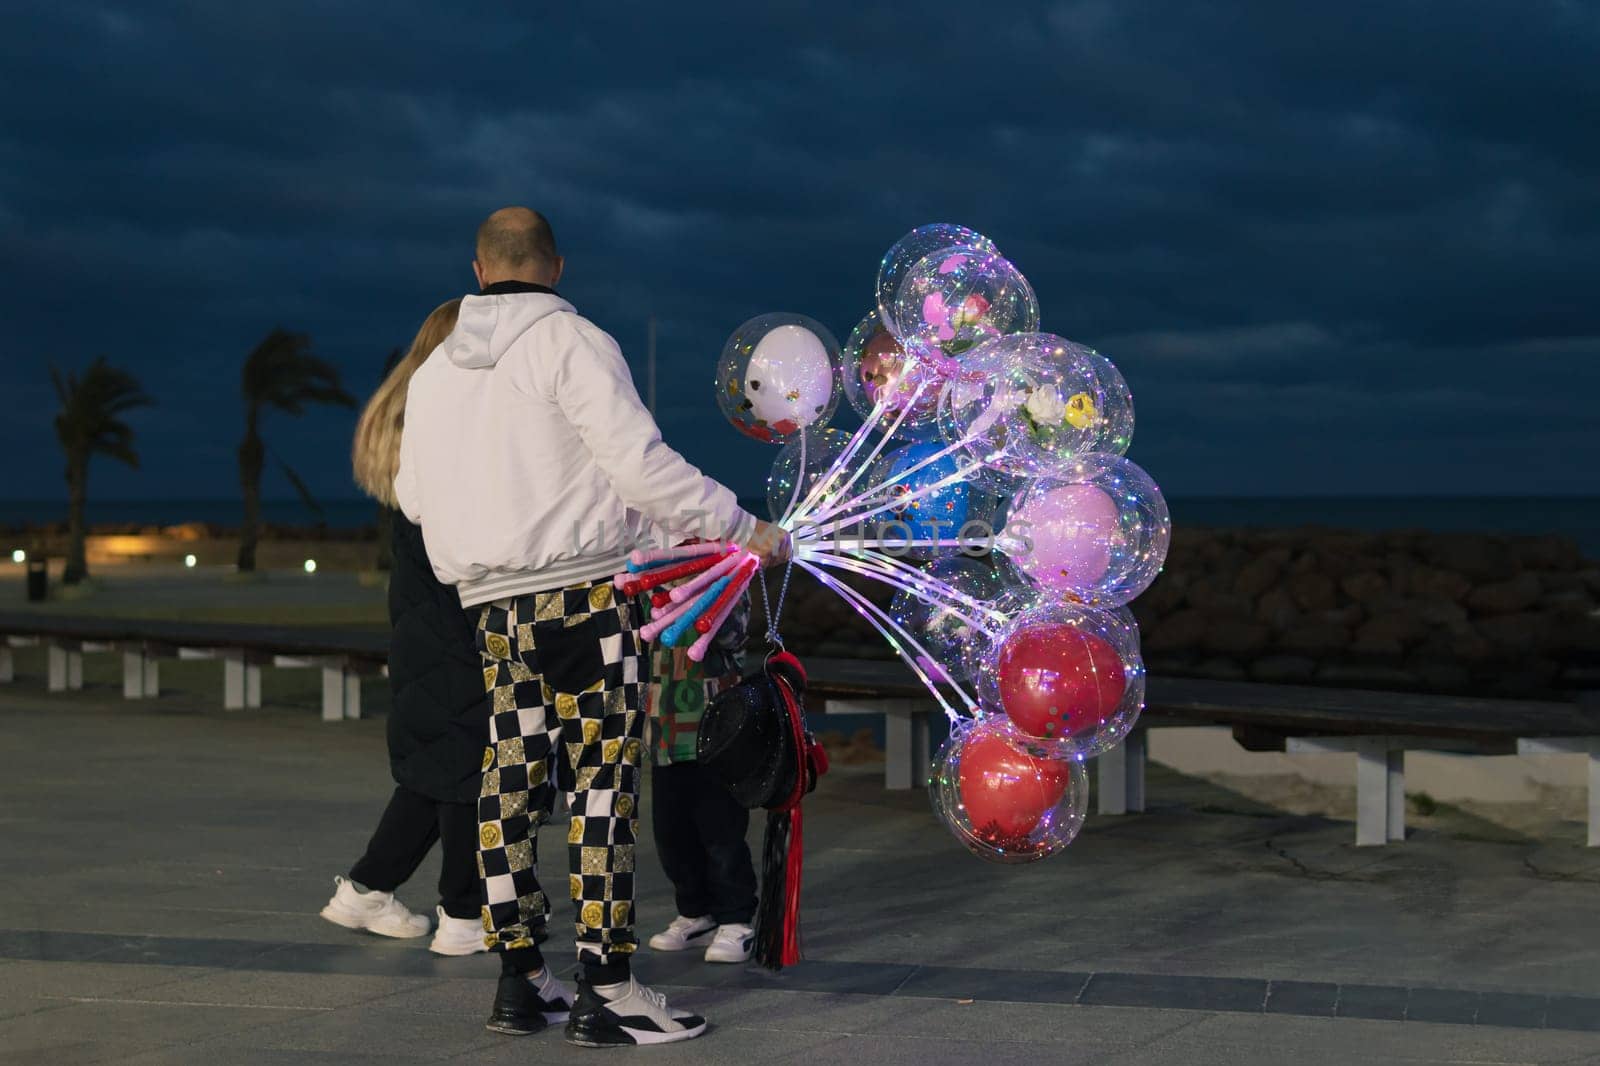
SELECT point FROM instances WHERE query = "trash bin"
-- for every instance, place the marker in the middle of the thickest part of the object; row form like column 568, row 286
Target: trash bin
column 38, row 580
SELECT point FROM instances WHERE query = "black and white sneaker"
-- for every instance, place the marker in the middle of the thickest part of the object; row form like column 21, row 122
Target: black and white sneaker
column 628, row 1014
column 526, row 1004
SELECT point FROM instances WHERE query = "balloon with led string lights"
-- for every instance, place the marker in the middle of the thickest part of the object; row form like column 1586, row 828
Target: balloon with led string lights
column 1070, row 680
column 930, row 511
column 880, row 374
column 778, row 374
column 819, row 447
column 956, row 299
column 1100, row 541
column 909, row 250
column 1005, row 804
column 948, row 625
column 1038, row 405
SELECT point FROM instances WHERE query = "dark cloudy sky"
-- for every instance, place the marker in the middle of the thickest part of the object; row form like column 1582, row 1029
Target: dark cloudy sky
column 1336, row 248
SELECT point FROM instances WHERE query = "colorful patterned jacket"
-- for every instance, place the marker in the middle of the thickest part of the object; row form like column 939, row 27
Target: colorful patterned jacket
column 680, row 688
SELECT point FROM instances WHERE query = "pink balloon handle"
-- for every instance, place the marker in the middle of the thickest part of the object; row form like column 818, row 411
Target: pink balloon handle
column 644, row 556
column 691, row 588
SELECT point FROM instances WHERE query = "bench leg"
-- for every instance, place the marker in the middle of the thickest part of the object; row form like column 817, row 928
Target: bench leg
column 8, row 664
column 897, row 757
column 1594, row 799
column 66, row 668
column 141, row 675
column 1120, row 775
column 341, row 693
column 241, row 683
column 1372, row 793
column 1397, row 795
column 921, row 751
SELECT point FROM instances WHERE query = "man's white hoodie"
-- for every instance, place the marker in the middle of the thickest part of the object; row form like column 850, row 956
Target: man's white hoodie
column 529, row 462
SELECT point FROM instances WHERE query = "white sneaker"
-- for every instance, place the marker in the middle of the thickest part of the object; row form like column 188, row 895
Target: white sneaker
column 457, row 936
column 684, row 933
column 628, row 1013
column 733, row 943
column 376, row 912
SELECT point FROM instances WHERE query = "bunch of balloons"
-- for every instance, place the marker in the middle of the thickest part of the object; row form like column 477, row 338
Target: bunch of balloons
column 988, row 484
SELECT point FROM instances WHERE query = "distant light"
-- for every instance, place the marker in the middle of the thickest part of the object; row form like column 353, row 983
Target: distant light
column 311, row 566
column 189, row 560
column 19, row 556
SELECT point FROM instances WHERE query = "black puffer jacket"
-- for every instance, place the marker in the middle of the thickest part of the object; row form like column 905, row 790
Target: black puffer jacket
column 439, row 719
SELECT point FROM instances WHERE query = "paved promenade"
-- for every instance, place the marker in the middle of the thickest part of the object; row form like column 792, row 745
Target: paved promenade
column 161, row 866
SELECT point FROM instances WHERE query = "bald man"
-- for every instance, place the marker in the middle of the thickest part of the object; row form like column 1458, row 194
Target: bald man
column 533, row 470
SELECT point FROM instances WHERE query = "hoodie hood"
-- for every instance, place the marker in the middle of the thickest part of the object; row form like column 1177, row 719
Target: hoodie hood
column 488, row 325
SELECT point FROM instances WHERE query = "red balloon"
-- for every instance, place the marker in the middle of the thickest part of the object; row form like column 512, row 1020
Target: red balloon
column 1058, row 681
column 1006, row 791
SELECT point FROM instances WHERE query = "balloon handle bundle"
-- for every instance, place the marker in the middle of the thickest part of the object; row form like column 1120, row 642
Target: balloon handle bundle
column 714, row 575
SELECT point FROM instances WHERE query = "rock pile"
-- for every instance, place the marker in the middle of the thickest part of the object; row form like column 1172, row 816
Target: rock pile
column 1439, row 612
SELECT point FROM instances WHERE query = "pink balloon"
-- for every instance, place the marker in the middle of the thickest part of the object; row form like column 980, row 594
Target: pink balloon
column 1074, row 529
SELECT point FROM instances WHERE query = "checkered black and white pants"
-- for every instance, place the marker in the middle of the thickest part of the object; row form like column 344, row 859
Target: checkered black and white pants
column 565, row 671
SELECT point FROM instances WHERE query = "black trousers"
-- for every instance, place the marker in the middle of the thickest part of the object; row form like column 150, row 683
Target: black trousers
column 409, row 826
column 699, row 832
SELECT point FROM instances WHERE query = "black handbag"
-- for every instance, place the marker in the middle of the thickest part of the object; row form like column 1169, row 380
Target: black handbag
column 753, row 739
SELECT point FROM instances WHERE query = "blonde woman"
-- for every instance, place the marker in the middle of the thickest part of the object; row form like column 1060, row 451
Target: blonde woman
column 438, row 722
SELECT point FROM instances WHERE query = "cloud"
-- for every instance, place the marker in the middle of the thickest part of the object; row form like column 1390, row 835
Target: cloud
column 1300, row 216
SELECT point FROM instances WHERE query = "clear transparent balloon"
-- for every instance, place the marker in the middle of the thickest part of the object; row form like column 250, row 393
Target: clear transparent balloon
column 1015, row 598
column 909, row 250
column 1037, row 405
column 1069, row 679
column 948, row 610
column 877, row 371
column 1003, row 804
column 1100, row 540
column 778, row 374
column 956, row 299
column 820, row 448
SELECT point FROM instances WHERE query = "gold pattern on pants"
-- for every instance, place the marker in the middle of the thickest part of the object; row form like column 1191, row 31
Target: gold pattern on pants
column 488, row 758
column 488, row 835
column 566, row 705
column 575, row 831
column 600, row 597
column 499, row 647
column 593, row 914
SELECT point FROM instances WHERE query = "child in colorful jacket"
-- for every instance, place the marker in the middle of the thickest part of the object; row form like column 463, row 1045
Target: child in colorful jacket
column 699, row 828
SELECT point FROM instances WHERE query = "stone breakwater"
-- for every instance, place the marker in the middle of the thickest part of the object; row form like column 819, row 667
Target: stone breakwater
column 1438, row 612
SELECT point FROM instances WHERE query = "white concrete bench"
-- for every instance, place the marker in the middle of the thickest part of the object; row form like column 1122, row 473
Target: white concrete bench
column 344, row 658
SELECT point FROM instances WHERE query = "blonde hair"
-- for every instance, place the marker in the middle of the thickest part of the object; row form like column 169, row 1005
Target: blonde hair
column 376, row 453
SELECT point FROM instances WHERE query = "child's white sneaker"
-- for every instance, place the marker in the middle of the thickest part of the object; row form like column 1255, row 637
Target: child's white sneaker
column 733, row 943
column 376, row 912
column 684, row 933
column 457, row 936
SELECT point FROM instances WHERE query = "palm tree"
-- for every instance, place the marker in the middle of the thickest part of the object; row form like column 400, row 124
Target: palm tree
column 279, row 373
column 90, row 421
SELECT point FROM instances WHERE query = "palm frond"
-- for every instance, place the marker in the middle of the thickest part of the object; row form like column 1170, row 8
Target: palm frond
column 91, row 405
